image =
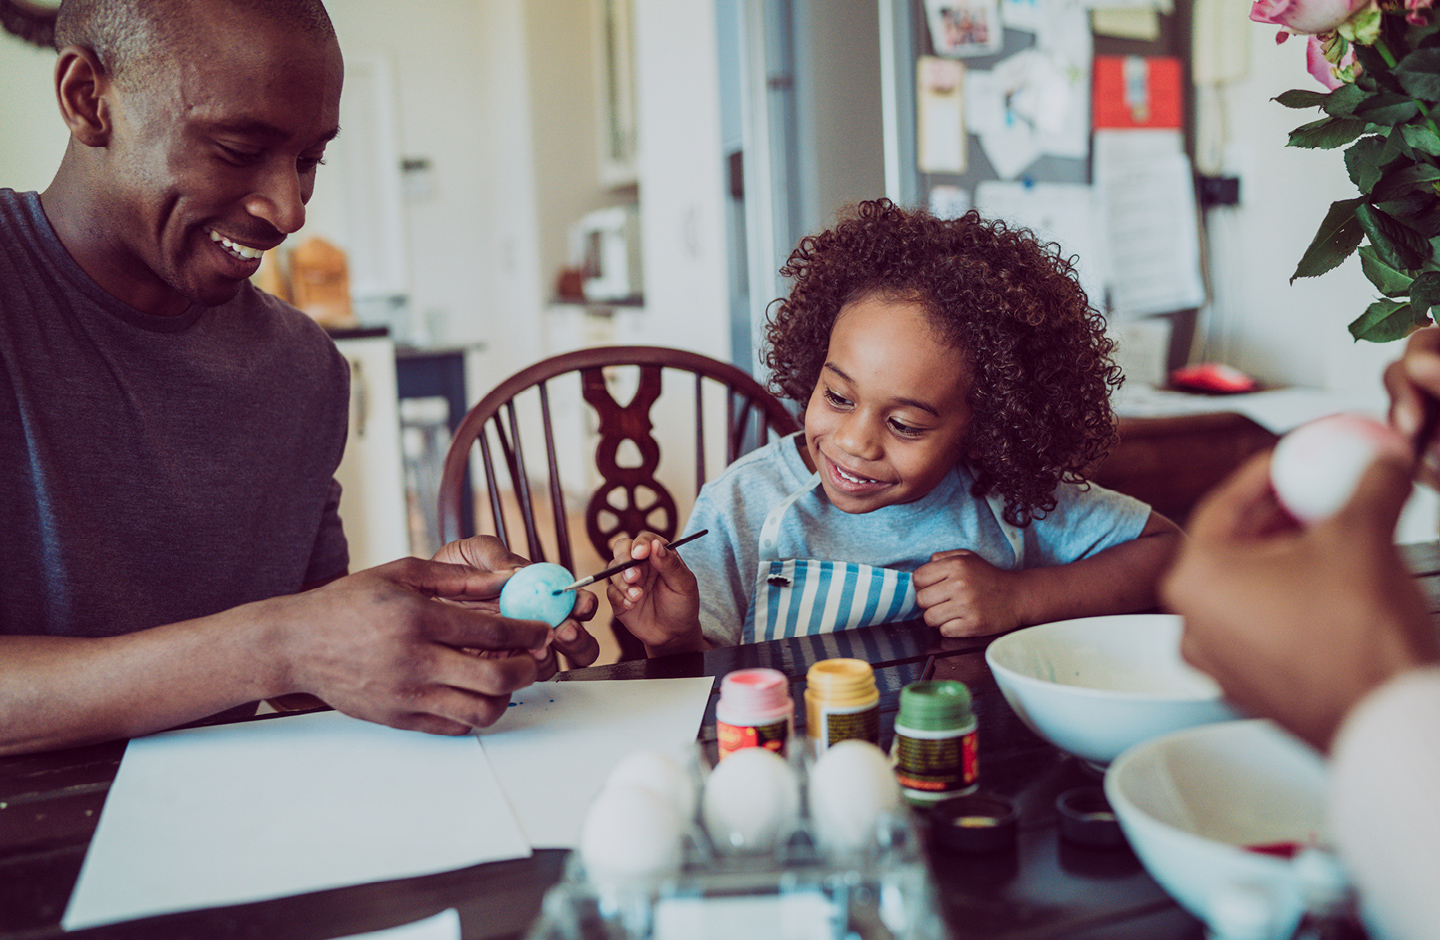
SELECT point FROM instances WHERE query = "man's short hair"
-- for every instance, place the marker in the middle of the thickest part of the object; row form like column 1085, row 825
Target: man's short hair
column 132, row 38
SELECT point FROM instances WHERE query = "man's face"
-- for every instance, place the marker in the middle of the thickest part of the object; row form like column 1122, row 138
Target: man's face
column 213, row 160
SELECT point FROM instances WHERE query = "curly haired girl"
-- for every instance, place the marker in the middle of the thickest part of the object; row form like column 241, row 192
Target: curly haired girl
column 955, row 386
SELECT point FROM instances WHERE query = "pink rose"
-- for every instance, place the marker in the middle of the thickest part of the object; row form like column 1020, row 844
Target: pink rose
column 1316, row 64
column 1330, row 60
column 1305, row 16
column 1416, row 14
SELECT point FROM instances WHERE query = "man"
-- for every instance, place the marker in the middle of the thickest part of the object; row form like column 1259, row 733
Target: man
column 170, row 535
column 1324, row 630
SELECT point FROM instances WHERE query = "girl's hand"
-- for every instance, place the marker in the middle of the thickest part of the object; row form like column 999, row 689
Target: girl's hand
column 658, row 602
column 964, row 595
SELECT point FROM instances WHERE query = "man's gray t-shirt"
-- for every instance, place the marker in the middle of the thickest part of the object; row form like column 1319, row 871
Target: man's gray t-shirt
column 733, row 506
column 156, row 468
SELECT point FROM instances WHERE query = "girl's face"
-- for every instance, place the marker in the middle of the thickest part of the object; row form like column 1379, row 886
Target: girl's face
column 888, row 415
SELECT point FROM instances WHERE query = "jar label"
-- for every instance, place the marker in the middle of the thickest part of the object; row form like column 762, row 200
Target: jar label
column 933, row 767
column 772, row 736
column 843, row 724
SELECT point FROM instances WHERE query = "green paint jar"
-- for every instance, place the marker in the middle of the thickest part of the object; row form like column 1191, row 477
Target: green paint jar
column 936, row 746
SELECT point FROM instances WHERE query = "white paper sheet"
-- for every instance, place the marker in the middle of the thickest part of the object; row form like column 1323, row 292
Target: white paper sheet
column 1147, row 192
column 560, row 740
column 1278, row 410
column 443, row 926
column 264, row 809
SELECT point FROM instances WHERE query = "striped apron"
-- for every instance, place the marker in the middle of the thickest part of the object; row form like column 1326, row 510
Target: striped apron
column 801, row 596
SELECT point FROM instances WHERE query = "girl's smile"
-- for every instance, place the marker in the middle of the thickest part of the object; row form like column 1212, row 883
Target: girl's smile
column 888, row 416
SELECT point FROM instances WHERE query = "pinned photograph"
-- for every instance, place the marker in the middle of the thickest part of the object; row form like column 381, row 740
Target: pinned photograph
column 965, row 27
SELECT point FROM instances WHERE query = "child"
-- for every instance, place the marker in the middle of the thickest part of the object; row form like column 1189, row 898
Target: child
column 955, row 386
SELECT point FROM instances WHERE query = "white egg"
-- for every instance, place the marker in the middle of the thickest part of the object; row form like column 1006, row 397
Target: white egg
column 631, row 833
column 1316, row 467
column 852, row 785
column 751, row 801
column 657, row 771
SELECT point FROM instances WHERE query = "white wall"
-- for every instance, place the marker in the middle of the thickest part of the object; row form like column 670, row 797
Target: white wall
column 32, row 137
column 682, row 187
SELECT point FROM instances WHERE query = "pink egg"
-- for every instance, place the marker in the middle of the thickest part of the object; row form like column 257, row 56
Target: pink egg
column 1316, row 467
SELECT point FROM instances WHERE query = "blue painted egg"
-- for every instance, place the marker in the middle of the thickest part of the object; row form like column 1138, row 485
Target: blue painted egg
column 530, row 594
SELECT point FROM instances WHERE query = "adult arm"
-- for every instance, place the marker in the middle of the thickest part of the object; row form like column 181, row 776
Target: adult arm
column 377, row 645
column 1300, row 624
column 964, row 595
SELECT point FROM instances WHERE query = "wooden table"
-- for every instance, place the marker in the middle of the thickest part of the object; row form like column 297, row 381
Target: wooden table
column 50, row 804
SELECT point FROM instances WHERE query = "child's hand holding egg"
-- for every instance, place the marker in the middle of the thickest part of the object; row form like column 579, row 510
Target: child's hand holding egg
column 530, row 594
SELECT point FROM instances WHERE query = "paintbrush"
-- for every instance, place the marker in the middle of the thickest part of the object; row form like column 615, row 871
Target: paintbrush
column 616, row 569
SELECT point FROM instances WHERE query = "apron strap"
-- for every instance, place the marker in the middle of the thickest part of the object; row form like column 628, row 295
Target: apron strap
column 1012, row 533
column 770, row 531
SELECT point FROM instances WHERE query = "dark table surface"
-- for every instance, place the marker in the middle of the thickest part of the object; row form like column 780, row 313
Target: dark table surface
column 50, row 804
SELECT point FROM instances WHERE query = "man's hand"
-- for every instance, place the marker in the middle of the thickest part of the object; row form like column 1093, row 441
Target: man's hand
column 1413, row 382
column 485, row 553
column 1299, row 624
column 384, row 646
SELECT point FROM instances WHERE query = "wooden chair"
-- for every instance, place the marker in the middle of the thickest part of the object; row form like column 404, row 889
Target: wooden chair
column 529, row 421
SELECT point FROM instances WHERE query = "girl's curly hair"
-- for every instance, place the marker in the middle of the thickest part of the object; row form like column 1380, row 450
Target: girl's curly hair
column 1038, row 351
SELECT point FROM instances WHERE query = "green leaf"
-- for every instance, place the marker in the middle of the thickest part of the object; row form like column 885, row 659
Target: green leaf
column 1343, row 101
column 1425, row 292
column 1362, row 160
column 1386, row 321
column 1400, row 181
column 1388, row 280
column 1422, row 137
column 1419, row 74
column 1387, row 109
column 1326, row 133
column 1396, row 147
column 1397, row 245
column 1417, row 209
column 1295, row 98
column 1338, row 236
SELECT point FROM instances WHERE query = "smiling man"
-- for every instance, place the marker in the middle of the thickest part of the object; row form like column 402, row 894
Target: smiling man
column 170, row 536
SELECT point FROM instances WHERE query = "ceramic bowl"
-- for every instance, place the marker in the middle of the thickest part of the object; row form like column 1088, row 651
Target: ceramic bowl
column 1195, row 805
column 1095, row 686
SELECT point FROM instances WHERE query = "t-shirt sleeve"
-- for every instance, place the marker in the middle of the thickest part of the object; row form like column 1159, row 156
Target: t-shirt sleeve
column 330, row 557
column 1086, row 520
column 715, row 562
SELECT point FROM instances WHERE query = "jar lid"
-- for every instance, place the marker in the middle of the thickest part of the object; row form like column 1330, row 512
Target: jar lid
column 976, row 822
column 756, row 689
column 937, row 705
column 1087, row 819
column 841, row 678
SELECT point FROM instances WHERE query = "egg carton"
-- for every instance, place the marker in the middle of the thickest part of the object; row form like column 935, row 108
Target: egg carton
column 799, row 889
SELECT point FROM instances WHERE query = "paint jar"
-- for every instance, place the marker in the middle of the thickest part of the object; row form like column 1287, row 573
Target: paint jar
column 935, row 749
column 755, row 710
column 841, row 702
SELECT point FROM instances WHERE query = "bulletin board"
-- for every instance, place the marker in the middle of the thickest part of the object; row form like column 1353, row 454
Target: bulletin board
column 975, row 46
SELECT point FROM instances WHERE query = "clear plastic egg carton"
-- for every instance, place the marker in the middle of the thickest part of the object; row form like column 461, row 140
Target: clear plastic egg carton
column 798, row 890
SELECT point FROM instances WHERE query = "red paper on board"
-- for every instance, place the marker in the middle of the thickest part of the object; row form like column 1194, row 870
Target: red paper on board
column 1137, row 91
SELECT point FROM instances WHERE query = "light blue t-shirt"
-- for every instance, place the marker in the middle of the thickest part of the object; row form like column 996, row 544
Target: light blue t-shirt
column 733, row 506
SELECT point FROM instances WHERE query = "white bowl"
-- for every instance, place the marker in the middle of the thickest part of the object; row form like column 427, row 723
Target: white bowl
column 1190, row 802
column 1097, row 685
